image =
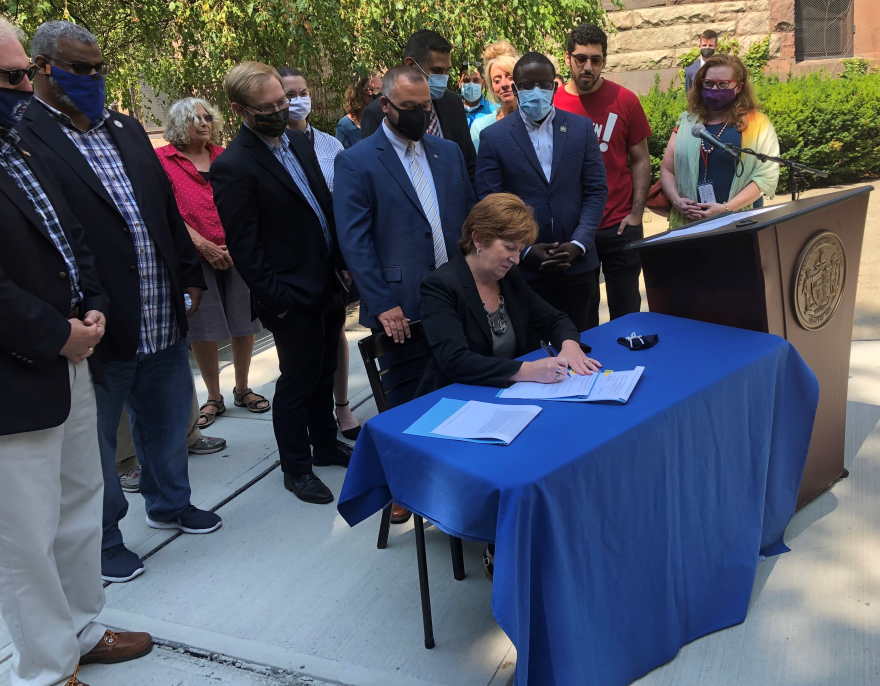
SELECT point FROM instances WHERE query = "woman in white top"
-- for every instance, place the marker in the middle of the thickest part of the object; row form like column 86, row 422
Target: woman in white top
column 499, row 58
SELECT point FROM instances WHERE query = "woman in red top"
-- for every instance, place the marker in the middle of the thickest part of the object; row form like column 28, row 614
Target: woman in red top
column 225, row 312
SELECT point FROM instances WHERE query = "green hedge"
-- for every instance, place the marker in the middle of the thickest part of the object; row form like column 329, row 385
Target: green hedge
column 830, row 123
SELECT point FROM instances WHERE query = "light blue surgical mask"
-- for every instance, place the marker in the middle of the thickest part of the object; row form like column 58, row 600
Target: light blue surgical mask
column 536, row 103
column 471, row 92
column 436, row 82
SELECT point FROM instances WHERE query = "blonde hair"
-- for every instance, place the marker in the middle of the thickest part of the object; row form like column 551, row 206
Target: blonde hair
column 502, row 55
column 183, row 113
column 245, row 79
column 499, row 217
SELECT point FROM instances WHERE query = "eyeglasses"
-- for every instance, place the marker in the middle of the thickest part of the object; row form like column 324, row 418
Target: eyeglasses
column 712, row 84
column 531, row 85
column 293, row 95
column 271, row 109
column 82, row 68
column 207, row 118
column 14, row 76
column 595, row 60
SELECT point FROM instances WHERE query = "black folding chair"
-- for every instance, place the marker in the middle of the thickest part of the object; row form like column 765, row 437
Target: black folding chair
column 394, row 384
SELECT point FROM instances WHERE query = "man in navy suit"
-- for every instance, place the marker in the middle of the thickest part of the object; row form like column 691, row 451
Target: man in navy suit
column 551, row 159
column 708, row 46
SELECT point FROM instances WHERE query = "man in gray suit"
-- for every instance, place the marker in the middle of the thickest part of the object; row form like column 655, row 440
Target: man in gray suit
column 708, row 46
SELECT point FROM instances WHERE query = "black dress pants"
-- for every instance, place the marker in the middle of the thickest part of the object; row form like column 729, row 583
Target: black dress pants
column 621, row 270
column 569, row 294
column 302, row 409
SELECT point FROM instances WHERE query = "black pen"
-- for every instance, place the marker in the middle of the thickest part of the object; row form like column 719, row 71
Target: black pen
column 547, row 349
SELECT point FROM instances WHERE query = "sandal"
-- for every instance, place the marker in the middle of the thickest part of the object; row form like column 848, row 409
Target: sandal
column 209, row 417
column 352, row 433
column 251, row 405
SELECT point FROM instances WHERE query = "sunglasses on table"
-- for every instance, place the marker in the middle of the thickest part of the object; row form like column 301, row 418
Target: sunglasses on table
column 531, row 85
column 712, row 84
column 595, row 60
column 82, row 68
column 14, row 76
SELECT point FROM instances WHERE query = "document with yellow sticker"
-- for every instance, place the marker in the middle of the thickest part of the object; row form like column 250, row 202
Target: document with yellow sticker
column 604, row 387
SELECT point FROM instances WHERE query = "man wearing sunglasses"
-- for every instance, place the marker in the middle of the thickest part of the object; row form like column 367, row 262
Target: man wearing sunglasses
column 118, row 190
column 623, row 130
column 551, row 160
column 50, row 464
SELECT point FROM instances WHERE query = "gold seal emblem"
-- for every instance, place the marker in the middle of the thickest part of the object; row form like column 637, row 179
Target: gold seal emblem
column 819, row 280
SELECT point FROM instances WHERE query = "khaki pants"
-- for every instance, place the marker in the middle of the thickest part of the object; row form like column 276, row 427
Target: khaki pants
column 125, row 454
column 51, row 500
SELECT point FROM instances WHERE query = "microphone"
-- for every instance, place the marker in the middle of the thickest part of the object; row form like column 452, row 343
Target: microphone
column 699, row 131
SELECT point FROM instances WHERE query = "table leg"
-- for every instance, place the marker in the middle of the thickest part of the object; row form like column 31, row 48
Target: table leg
column 422, row 558
column 457, row 558
column 384, row 526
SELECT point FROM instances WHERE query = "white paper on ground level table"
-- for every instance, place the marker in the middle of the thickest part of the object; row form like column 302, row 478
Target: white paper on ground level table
column 485, row 420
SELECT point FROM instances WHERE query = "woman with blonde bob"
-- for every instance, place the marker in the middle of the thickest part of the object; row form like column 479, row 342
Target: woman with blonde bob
column 499, row 58
column 700, row 181
column 192, row 131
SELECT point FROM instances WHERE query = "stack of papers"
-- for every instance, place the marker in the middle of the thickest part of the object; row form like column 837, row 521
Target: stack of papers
column 604, row 387
column 473, row 421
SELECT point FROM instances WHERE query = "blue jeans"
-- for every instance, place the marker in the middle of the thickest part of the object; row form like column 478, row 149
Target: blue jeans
column 156, row 390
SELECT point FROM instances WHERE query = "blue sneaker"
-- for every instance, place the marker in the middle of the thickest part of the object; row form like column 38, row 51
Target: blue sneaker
column 119, row 564
column 191, row 521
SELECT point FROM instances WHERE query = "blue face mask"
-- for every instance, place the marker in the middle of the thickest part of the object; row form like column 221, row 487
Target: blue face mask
column 86, row 92
column 536, row 103
column 13, row 103
column 436, row 82
column 471, row 92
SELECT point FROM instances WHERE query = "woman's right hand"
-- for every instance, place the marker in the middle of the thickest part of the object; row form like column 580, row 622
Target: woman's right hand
column 545, row 370
column 217, row 255
column 687, row 207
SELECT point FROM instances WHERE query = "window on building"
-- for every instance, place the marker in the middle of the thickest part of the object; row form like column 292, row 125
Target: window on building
column 823, row 29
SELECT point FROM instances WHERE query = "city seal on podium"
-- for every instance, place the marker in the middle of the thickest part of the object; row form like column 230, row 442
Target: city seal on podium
column 819, row 280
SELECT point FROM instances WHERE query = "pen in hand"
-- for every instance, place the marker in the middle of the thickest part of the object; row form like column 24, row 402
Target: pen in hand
column 547, row 349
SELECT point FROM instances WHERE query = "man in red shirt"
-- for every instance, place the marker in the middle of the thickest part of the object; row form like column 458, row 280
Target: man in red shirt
column 623, row 131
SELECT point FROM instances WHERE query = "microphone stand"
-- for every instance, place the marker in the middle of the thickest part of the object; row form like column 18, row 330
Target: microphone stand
column 796, row 170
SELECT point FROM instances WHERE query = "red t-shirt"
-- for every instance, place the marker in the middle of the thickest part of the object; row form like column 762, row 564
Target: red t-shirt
column 620, row 123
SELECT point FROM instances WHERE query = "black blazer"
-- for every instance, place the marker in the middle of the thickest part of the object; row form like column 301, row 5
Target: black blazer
column 453, row 123
column 458, row 332
column 35, row 302
column 273, row 234
column 106, row 232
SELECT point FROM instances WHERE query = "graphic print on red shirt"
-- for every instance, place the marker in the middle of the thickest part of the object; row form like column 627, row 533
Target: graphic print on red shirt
column 620, row 123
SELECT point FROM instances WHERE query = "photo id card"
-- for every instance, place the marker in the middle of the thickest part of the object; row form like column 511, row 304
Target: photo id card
column 706, row 193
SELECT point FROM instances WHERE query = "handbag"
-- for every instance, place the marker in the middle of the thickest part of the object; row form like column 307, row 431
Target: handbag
column 657, row 200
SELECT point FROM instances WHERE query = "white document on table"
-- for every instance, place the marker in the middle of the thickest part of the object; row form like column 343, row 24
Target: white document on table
column 712, row 224
column 604, row 387
column 476, row 421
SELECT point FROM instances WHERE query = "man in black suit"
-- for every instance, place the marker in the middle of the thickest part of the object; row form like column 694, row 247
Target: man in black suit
column 277, row 212
column 118, row 190
column 430, row 53
column 50, row 474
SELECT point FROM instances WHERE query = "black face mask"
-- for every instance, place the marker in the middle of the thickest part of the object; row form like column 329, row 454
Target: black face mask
column 373, row 96
column 411, row 124
column 707, row 52
column 272, row 125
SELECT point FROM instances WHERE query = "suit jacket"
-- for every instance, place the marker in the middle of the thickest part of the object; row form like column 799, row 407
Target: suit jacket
column 571, row 205
column 383, row 231
column 690, row 74
column 273, row 234
column 35, row 302
column 106, row 232
column 453, row 123
column 458, row 332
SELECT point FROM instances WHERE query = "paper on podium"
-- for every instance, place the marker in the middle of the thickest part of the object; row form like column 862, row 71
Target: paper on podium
column 473, row 421
column 604, row 387
column 712, row 224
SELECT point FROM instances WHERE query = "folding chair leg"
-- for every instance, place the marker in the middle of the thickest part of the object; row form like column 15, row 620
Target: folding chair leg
column 457, row 558
column 422, row 557
column 384, row 526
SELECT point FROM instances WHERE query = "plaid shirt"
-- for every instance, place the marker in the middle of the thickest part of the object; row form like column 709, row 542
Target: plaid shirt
column 13, row 163
column 159, row 327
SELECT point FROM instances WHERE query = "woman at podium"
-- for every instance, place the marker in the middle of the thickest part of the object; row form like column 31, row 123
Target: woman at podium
column 699, row 179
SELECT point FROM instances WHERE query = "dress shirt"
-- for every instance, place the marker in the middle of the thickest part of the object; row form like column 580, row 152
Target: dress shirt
column 294, row 168
column 159, row 328
column 399, row 143
column 327, row 147
column 541, row 136
column 13, row 163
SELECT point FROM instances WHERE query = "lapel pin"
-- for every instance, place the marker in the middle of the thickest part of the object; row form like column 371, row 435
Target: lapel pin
column 118, row 123
column 25, row 152
column 562, row 129
column 435, row 157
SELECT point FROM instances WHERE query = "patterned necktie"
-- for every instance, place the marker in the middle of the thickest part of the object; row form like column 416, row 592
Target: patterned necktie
column 433, row 123
column 429, row 204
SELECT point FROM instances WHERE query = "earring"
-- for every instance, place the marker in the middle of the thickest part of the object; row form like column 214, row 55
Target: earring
column 478, row 251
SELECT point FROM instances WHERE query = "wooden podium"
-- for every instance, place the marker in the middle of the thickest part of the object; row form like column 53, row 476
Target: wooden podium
column 790, row 271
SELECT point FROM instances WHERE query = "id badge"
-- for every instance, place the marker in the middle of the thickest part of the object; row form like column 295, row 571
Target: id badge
column 706, row 192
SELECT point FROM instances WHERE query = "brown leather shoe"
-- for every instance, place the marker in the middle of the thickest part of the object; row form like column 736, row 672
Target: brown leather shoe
column 121, row 647
column 399, row 515
column 73, row 681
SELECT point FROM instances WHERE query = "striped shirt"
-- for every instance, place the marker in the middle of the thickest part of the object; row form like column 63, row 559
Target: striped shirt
column 327, row 147
column 159, row 328
column 13, row 163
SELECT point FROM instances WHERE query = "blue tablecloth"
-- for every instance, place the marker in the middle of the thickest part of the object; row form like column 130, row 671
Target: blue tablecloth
column 622, row 532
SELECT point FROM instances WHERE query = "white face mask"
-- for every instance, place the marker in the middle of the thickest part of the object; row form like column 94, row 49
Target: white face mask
column 300, row 107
